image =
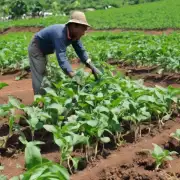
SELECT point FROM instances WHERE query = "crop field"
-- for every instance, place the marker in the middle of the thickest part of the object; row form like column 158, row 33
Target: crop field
column 125, row 125
column 130, row 49
column 157, row 15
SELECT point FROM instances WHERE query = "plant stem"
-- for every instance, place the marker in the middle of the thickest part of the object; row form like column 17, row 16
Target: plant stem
column 96, row 148
column 69, row 166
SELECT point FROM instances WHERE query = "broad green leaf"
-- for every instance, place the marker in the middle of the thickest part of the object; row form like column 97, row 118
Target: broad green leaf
column 75, row 162
column 78, row 139
column 50, row 91
column 56, row 106
column 17, row 78
column 43, row 116
column 32, row 155
column 176, row 135
column 105, row 139
column 72, row 118
column 169, row 158
column 59, row 142
column 33, row 121
column 38, row 172
column 166, row 117
column 23, row 140
column 14, row 102
column 157, row 150
column 146, row 98
column 50, row 128
column 173, row 152
column 68, row 101
column 92, row 123
column 3, row 112
column 102, row 109
column 2, row 84
column 90, row 103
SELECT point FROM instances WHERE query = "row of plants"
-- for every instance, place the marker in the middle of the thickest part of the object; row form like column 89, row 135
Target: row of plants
column 13, row 51
column 156, row 15
column 135, row 49
column 85, row 113
column 132, row 48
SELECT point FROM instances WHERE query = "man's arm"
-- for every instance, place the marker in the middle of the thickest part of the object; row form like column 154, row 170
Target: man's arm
column 82, row 54
column 80, row 51
column 60, row 49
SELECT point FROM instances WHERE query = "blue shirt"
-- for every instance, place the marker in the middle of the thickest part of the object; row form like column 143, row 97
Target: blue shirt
column 55, row 39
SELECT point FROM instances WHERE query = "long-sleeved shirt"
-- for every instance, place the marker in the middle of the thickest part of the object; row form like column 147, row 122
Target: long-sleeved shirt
column 55, row 39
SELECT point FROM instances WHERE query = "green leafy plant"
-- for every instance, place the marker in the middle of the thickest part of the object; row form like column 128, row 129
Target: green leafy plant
column 37, row 167
column 160, row 155
column 46, row 170
column 176, row 135
column 36, row 118
column 2, row 177
column 66, row 139
column 32, row 152
column 9, row 111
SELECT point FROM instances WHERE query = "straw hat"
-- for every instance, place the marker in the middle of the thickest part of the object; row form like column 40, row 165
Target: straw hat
column 79, row 18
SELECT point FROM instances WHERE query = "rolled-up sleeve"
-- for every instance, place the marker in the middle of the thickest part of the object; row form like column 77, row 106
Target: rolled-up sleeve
column 80, row 51
column 60, row 49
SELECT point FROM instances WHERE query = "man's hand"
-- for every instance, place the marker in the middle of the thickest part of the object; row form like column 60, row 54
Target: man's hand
column 96, row 72
column 71, row 74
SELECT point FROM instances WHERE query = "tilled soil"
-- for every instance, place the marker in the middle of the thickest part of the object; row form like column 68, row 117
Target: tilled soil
column 35, row 29
column 133, row 162
column 127, row 162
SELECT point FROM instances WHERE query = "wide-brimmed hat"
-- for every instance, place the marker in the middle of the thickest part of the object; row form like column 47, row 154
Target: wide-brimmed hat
column 79, row 18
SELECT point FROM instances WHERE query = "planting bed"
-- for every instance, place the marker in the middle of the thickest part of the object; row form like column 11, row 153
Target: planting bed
column 127, row 162
column 23, row 89
column 131, row 161
column 115, row 30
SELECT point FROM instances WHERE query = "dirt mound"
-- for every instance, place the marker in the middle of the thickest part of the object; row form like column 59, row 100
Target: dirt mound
column 20, row 29
column 116, row 30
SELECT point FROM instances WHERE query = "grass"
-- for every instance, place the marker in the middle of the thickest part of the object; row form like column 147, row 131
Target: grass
column 156, row 15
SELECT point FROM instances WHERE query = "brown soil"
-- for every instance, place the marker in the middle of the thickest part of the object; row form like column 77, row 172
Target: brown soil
column 152, row 78
column 116, row 30
column 149, row 74
column 21, row 89
column 21, row 29
column 126, row 162
column 132, row 162
column 148, row 31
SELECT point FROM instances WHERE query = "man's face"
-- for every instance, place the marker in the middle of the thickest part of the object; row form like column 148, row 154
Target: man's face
column 77, row 31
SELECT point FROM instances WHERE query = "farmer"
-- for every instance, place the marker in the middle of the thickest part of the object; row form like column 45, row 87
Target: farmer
column 56, row 38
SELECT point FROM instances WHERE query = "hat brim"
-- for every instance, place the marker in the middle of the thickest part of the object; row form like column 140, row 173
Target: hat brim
column 78, row 22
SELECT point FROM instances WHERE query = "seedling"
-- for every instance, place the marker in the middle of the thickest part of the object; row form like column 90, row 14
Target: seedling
column 176, row 135
column 160, row 155
column 66, row 139
column 39, row 167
